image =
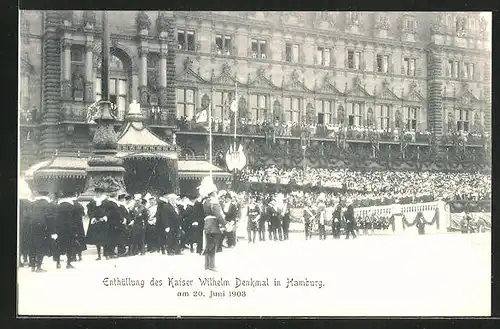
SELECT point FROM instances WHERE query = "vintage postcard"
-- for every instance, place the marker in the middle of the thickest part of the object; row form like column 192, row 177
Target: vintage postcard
column 230, row 163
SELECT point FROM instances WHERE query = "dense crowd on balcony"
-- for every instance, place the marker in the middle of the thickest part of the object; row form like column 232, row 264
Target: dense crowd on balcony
column 377, row 187
column 333, row 131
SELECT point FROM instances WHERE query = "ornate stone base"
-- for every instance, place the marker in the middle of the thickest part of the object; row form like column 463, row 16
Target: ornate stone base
column 110, row 179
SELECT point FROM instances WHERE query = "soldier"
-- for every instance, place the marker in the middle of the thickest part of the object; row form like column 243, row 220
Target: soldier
column 40, row 229
column 214, row 224
column 97, row 229
column 350, row 220
column 308, row 217
column 321, row 216
column 255, row 222
column 24, row 209
column 286, row 219
column 262, row 219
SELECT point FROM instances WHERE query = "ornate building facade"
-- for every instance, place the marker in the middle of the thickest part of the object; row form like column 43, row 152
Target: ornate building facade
column 375, row 73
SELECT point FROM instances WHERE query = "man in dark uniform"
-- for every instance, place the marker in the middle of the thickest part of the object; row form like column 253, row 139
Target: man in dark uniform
column 274, row 219
column 40, row 229
column 130, row 205
column 255, row 221
column 262, row 219
column 213, row 227
column 286, row 220
column 67, row 230
column 336, row 218
column 231, row 214
column 173, row 225
column 80, row 243
column 198, row 215
column 114, row 222
column 350, row 220
column 97, row 230
column 24, row 209
column 138, row 224
column 161, row 222
column 122, row 228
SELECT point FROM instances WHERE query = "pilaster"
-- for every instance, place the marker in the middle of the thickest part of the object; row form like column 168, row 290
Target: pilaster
column 434, row 91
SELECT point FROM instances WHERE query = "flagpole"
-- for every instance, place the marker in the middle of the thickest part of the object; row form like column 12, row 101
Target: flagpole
column 210, row 137
column 235, row 114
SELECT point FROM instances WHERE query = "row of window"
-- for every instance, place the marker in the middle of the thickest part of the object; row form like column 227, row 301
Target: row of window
column 292, row 108
column 458, row 70
column 259, row 49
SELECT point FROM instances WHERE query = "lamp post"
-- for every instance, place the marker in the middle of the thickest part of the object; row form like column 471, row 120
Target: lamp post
column 304, row 159
column 105, row 170
column 235, row 161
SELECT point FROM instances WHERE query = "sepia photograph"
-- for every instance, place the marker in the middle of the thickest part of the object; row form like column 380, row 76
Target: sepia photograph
column 260, row 163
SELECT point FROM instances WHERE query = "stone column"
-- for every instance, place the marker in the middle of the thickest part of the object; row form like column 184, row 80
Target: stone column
column 66, row 83
column 89, row 76
column 163, row 78
column 434, row 85
column 143, row 75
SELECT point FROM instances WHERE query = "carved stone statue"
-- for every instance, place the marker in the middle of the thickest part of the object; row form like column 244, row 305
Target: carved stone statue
column 89, row 18
column 78, row 82
column 143, row 21
column 226, row 68
column 188, row 63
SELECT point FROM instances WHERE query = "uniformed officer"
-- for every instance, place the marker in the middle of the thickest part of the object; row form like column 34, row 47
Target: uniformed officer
column 350, row 220
column 336, row 218
column 321, row 216
column 255, row 222
column 214, row 224
column 308, row 217
column 285, row 219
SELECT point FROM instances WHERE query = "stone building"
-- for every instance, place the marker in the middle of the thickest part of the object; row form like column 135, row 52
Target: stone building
column 420, row 72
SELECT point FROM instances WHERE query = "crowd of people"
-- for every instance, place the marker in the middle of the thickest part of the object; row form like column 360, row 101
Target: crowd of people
column 376, row 187
column 126, row 225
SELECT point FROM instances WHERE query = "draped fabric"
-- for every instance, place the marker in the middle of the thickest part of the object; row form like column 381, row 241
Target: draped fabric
column 418, row 217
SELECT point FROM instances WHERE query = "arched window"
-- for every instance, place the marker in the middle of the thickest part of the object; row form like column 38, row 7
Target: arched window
column 120, row 76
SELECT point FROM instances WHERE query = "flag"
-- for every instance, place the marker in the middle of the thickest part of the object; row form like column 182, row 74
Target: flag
column 202, row 117
column 234, row 106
